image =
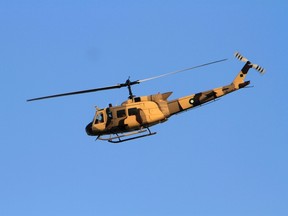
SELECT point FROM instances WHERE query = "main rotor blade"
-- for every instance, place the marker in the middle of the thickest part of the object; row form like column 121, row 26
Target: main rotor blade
column 78, row 92
column 128, row 83
column 179, row 71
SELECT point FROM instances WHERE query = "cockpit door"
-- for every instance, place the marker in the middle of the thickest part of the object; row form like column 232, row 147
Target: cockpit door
column 100, row 120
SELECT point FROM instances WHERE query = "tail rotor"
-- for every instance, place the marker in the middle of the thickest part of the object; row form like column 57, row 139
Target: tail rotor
column 258, row 68
column 240, row 57
column 255, row 66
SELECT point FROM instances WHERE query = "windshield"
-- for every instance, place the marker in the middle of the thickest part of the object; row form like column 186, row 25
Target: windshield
column 99, row 118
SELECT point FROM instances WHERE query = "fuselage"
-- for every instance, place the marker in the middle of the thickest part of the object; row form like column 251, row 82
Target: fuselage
column 146, row 111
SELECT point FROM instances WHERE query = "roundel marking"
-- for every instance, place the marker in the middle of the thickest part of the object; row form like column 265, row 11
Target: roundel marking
column 191, row 101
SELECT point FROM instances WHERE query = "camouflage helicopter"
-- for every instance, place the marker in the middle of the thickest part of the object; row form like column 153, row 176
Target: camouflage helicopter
column 134, row 117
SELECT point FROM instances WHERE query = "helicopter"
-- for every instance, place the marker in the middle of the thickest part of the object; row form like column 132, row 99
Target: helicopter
column 134, row 117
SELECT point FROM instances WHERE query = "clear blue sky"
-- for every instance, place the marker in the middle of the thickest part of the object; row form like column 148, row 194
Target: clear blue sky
column 226, row 158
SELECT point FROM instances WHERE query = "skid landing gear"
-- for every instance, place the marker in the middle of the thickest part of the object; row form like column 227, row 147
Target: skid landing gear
column 119, row 138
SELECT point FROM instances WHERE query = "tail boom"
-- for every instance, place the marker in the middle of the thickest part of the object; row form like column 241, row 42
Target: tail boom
column 191, row 101
column 198, row 99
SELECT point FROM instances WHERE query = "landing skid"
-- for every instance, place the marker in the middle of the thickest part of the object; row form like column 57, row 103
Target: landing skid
column 115, row 138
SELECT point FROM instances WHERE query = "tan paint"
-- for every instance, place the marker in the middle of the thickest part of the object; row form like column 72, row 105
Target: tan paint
column 146, row 111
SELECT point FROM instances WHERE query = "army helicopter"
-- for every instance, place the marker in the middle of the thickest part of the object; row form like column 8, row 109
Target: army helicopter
column 134, row 117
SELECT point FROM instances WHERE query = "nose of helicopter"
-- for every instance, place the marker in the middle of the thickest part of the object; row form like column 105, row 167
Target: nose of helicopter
column 89, row 129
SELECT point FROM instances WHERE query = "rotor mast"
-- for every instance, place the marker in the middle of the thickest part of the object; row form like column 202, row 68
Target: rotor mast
column 128, row 83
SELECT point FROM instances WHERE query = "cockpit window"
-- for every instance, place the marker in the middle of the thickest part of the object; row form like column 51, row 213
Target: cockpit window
column 99, row 118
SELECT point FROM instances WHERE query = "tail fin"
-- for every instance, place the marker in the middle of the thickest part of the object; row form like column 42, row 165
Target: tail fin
column 240, row 78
